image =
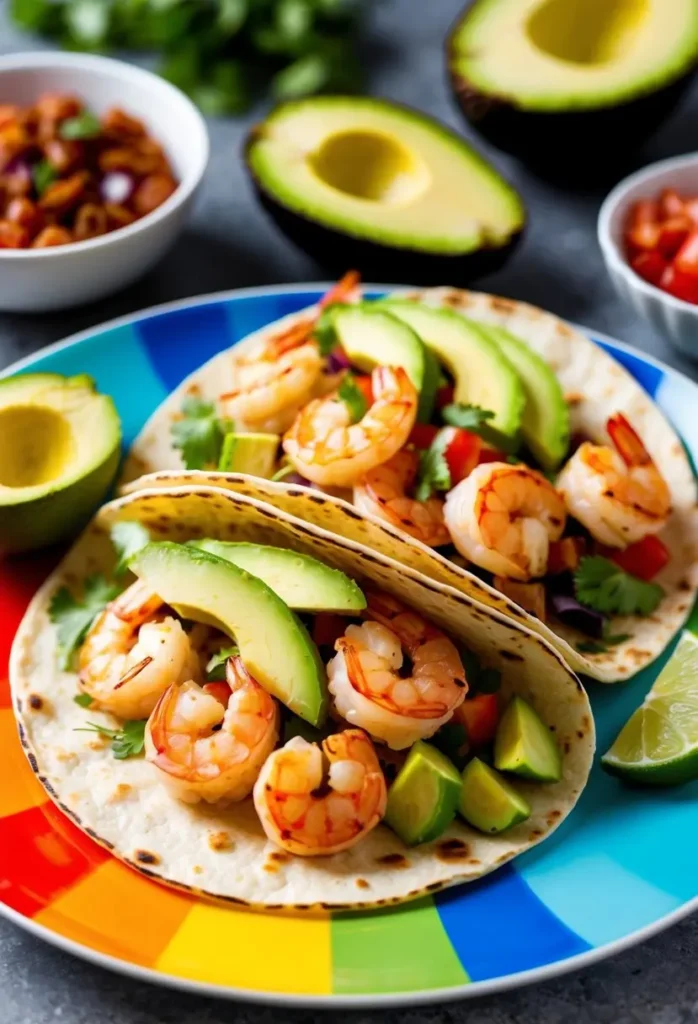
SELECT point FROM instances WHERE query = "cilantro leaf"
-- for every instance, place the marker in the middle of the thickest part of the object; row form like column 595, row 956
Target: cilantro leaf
column 127, row 538
column 353, row 397
column 199, row 434
column 602, row 585
column 43, row 175
column 72, row 617
column 215, row 669
column 83, row 700
column 475, row 419
column 602, row 647
column 324, row 331
column 433, row 474
column 83, row 126
column 126, row 742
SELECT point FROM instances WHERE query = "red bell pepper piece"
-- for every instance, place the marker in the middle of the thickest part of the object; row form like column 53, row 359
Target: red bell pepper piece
column 221, row 691
column 672, row 235
column 479, row 716
column 670, row 204
column 691, row 209
column 363, row 383
column 643, row 559
column 491, row 455
column 642, row 238
column 680, row 284
column 650, row 266
column 686, row 259
column 328, row 627
column 462, row 453
column 422, row 434
column 444, row 396
column 644, row 211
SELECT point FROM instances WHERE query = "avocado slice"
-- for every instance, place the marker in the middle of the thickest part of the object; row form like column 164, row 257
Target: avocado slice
column 588, row 76
column 487, row 801
column 423, row 798
column 525, row 746
column 273, row 643
column 482, row 374
column 59, row 452
column 254, row 454
column 545, row 426
column 362, row 182
column 301, row 581
column 372, row 337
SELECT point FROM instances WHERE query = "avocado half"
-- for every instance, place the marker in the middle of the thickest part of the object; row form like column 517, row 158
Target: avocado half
column 366, row 183
column 572, row 85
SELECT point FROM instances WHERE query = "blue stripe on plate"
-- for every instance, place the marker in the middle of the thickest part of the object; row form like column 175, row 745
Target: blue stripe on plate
column 181, row 341
column 498, row 926
column 120, row 367
column 247, row 315
column 646, row 374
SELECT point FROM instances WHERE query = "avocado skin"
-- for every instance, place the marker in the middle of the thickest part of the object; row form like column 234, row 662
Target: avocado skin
column 337, row 250
column 590, row 145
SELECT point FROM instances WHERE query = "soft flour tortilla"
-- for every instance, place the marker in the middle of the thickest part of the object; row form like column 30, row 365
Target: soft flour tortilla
column 595, row 385
column 224, row 853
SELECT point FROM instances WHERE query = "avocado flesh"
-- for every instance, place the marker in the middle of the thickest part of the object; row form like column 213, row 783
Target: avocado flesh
column 423, row 798
column 487, row 801
column 302, row 582
column 525, row 746
column 586, row 75
column 59, row 452
column 254, row 454
column 545, row 427
column 482, row 374
column 378, row 173
column 371, row 337
column 274, row 645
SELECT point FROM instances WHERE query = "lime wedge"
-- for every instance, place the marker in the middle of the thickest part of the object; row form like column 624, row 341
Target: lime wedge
column 658, row 745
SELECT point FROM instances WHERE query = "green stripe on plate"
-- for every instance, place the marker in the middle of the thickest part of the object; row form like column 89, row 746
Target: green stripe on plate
column 399, row 949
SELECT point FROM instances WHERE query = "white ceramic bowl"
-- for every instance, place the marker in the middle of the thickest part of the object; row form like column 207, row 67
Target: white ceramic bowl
column 675, row 319
column 32, row 280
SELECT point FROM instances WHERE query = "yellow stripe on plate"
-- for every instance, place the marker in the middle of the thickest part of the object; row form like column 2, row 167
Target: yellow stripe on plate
column 264, row 952
column 19, row 789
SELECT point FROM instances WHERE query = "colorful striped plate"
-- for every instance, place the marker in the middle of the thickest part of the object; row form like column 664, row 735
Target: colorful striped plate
column 608, row 878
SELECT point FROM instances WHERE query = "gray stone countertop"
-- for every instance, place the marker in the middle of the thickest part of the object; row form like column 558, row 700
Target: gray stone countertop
column 229, row 243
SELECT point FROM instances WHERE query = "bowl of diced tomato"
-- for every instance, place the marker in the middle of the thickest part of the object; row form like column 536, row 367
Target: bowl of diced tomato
column 99, row 163
column 648, row 233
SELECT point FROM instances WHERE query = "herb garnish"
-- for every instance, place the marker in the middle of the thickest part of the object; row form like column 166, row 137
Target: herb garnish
column 73, row 617
column 476, row 420
column 126, row 742
column 215, row 669
column 353, row 397
column 127, row 538
column 434, row 473
column 602, row 585
column 199, row 434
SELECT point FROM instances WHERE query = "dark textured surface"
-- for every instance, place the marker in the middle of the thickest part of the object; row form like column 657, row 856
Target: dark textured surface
column 230, row 243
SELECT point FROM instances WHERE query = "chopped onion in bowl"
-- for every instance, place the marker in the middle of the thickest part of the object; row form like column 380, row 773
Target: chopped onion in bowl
column 117, row 187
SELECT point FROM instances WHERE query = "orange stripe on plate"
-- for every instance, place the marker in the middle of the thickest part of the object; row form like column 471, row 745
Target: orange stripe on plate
column 118, row 912
column 265, row 952
column 19, row 788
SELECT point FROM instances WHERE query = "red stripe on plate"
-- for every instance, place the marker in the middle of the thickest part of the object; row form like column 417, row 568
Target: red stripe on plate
column 19, row 581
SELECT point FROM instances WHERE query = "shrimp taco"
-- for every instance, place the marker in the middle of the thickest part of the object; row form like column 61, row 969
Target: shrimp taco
column 481, row 441
column 248, row 707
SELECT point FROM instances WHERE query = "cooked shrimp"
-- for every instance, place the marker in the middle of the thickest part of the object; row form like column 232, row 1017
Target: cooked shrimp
column 205, row 749
column 280, row 375
column 620, row 496
column 327, row 448
column 383, row 493
column 370, row 686
column 310, row 809
column 504, row 517
column 130, row 655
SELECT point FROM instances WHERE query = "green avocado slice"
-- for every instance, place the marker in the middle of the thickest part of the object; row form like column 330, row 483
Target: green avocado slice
column 482, row 374
column 423, row 798
column 545, row 427
column 487, row 801
column 525, row 746
column 301, row 581
column 274, row 645
column 373, row 337
column 254, row 454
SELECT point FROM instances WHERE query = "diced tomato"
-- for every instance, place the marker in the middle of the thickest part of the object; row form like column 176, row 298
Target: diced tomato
column 328, row 627
column 221, row 691
column 691, row 209
column 643, row 237
column 462, row 453
column 650, row 266
column 565, row 555
column 672, row 235
column 491, row 455
column 363, row 383
column 686, row 259
column 444, row 396
column 479, row 716
column 643, row 559
column 670, row 204
column 645, row 211
column 680, row 284
column 422, row 434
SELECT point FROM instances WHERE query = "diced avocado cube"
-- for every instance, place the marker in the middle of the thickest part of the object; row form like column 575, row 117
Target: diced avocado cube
column 487, row 801
column 254, row 454
column 525, row 746
column 423, row 798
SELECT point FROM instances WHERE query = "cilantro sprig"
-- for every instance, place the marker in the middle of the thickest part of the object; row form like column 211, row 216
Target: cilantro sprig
column 126, row 742
column 477, row 420
column 83, row 126
column 324, row 332
column 43, row 175
column 199, row 434
column 434, row 473
column 215, row 669
column 602, row 585
column 127, row 538
column 72, row 616
column 353, row 397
